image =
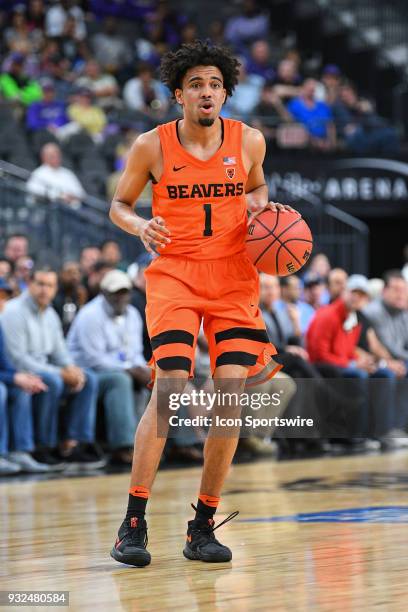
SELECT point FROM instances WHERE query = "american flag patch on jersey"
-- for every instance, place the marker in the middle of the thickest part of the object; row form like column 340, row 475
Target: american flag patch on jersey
column 228, row 161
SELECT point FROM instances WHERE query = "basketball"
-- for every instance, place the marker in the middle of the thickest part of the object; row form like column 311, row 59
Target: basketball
column 279, row 243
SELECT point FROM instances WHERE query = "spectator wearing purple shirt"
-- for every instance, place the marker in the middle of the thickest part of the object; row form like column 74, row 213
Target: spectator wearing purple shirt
column 49, row 114
column 251, row 24
column 259, row 61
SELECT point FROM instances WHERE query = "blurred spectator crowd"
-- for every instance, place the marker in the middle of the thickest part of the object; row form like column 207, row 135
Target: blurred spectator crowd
column 83, row 75
column 74, row 353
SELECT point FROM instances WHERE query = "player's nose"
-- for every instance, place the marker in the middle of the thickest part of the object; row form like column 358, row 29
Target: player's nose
column 206, row 92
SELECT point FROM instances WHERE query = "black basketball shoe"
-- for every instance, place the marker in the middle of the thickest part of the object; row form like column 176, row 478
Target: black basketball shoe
column 130, row 545
column 201, row 544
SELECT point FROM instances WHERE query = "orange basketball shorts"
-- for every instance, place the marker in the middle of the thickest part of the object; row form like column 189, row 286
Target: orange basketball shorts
column 224, row 294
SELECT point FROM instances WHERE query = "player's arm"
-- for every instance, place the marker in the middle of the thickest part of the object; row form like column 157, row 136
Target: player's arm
column 256, row 189
column 153, row 232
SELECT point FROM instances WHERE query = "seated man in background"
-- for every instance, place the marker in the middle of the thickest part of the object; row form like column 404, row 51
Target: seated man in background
column 332, row 342
column 107, row 336
column 47, row 114
column 389, row 318
column 315, row 116
column 270, row 112
column 87, row 115
column 16, row 421
column 35, row 344
column 54, row 181
column 314, row 395
column 103, row 86
column 16, row 86
column 314, row 288
column 336, row 283
column 297, row 310
column 362, row 130
column 71, row 295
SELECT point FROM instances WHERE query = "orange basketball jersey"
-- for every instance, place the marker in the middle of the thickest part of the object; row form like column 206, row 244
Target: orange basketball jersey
column 202, row 202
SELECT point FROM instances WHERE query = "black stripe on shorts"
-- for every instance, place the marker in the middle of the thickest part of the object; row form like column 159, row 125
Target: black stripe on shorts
column 170, row 337
column 259, row 335
column 174, row 363
column 236, row 358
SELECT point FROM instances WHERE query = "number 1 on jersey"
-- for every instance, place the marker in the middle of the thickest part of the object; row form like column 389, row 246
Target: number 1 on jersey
column 207, row 227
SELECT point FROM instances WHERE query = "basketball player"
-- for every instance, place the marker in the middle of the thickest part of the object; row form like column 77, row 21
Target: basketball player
column 206, row 173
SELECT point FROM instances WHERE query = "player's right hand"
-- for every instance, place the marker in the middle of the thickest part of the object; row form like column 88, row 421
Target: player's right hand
column 155, row 233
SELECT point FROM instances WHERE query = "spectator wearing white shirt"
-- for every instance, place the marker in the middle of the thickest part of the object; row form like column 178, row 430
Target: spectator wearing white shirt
column 107, row 335
column 103, row 86
column 247, row 93
column 145, row 94
column 54, row 181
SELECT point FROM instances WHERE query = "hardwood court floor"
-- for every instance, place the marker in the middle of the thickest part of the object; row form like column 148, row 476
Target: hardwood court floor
column 57, row 535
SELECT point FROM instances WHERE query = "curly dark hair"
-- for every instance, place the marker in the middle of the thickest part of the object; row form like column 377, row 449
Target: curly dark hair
column 174, row 65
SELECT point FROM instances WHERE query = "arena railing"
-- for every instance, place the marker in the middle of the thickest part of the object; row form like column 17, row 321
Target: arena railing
column 57, row 232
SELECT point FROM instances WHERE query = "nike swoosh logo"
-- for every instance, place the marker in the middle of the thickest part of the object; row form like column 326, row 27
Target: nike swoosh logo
column 179, row 168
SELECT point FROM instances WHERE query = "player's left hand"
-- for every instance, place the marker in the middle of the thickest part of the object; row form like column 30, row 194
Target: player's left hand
column 274, row 206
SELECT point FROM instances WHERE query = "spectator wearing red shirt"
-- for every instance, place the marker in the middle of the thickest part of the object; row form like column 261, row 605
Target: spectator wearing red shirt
column 332, row 343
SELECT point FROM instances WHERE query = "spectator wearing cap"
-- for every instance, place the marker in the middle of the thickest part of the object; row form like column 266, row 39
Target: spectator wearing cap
column 316, row 116
column 35, row 344
column 54, row 181
column 16, row 86
column 87, row 115
column 328, row 88
column 332, row 341
column 48, row 114
column 314, row 288
column 107, row 336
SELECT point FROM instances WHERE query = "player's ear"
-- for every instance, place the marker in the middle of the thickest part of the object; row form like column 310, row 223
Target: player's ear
column 178, row 94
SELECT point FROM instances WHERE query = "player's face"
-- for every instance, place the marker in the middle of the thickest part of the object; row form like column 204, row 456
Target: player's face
column 202, row 94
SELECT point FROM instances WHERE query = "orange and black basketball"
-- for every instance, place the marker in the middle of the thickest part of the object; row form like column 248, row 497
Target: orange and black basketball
column 279, row 243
